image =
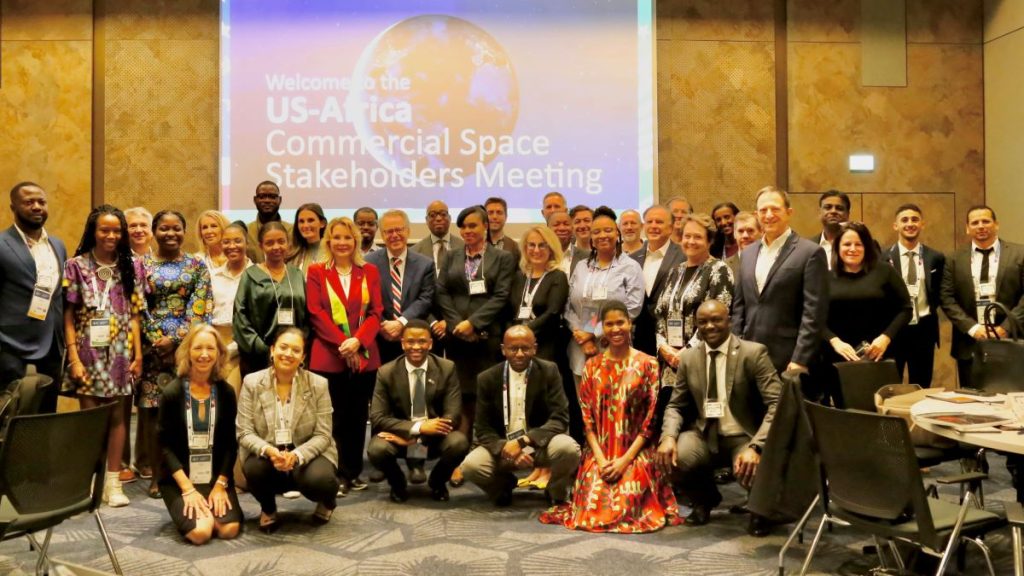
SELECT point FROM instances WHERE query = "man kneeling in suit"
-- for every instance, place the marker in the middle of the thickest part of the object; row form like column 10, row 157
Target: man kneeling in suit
column 719, row 414
column 522, row 416
column 415, row 411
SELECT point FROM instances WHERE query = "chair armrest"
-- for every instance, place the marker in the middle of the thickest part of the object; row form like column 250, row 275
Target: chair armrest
column 962, row 478
column 1014, row 513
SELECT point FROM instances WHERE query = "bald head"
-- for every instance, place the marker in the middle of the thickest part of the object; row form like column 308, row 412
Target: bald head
column 519, row 346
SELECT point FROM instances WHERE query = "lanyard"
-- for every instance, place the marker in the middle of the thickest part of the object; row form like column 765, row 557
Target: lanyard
column 291, row 293
column 506, row 394
column 188, row 415
column 283, row 416
column 672, row 303
column 104, row 297
column 528, row 294
column 593, row 270
column 479, row 267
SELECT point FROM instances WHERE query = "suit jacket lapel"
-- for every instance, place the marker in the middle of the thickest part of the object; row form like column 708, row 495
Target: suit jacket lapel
column 964, row 277
column 1005, row 261
column 433, row 376
column 894, row 258
column 268, row 402
column 784, row 253
column 700, row 393
column 19, row 248
column 668, row 263
column 402, row 394
column 301, row 392
column 732, row 357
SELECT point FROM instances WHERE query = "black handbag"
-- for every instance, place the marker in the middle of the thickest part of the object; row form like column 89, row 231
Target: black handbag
column 999, row 362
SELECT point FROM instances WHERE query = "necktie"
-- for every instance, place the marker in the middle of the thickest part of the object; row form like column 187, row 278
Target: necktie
column 419, row 396
column 911, row 268
column 441, row 251
column 985, row 253
column 396, row 286
column 711, row 430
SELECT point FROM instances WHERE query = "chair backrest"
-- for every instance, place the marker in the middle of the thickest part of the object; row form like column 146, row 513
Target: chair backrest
column 858, row 382
column 868, row 467
column 51, row 465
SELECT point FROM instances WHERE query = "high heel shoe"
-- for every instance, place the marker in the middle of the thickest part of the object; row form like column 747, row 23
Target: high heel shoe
column 322, row 515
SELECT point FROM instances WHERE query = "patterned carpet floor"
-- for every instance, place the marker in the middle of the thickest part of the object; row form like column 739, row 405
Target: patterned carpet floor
column 371, row 535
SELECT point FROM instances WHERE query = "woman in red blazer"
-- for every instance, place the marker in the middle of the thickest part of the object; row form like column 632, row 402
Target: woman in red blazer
column 344, row 299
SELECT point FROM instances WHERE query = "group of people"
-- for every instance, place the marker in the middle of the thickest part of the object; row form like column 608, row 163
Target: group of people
column 654, row 340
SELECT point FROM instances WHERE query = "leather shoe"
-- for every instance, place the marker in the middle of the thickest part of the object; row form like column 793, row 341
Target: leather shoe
column 357, row 484
column 700, row 516
column 344, row 487
column 758, row 526
column 398, row 495
column 417, row 475
column 504, row 499
column 440, row 494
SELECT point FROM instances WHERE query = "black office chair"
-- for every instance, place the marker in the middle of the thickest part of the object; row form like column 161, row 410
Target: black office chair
column 870, row 479
column 51, row 468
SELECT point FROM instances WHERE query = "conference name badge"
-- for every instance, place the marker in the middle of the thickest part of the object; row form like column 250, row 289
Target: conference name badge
column 282, row 436
column 674, row 328
column 40, row 303
column 516, row 435
column 99, row 332
column 714, row 409
column 477, row 287
column 285, row 317
column 526, row 312
column 599, row 292
column 200, row 468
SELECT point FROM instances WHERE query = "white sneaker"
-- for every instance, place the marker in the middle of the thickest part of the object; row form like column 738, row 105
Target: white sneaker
column 292, row 494
column 113, row 493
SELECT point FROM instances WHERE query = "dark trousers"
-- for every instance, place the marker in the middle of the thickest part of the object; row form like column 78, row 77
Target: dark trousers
column 696, row 464
column 350, row 397
column 449, row 451
column 914, row 348
column 963, row 372
column 12, row 367
column 316, row 481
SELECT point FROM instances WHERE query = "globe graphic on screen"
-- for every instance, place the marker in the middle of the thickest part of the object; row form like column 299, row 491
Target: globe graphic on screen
column 460, row 78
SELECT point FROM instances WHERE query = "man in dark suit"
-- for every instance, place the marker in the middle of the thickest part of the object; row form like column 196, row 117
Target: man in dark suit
column 407, row 283
column 781, row 297
column 521, row 420
column 497, row 215
column 921, row 269
column 658, row 257
column 31, row 299
column 416, row 409
column 721, row 409
column 440, row 241
column 833, row 210
column 988, row 270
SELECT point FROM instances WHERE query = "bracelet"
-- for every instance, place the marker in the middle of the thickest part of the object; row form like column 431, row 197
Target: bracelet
column 188, row 492
column 222, row 483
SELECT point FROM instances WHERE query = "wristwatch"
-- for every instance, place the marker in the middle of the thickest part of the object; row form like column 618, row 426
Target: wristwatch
column 522, row 441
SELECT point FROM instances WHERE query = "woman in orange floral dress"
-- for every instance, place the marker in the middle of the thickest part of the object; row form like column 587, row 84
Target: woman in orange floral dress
column 618, row 488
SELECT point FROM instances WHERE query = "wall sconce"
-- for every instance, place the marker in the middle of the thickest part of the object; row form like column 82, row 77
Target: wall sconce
column 862, row 162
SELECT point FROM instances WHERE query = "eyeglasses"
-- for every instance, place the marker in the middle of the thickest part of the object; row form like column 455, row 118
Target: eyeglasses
column 518, row 349
column 394, row 231
column 438, row 214
column 537, row 246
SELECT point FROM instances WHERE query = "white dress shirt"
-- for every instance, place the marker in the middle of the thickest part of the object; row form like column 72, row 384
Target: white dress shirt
column 225, row 286
column 977, row 258
column 651, row 265
column 412, row 391
column 826, row 245
column 767, row 256
column 47, row 267
column 727, row 424
column 517, row 400
column 921, row 301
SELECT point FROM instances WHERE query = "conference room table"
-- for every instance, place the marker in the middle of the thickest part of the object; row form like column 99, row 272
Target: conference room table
column 1007, row 441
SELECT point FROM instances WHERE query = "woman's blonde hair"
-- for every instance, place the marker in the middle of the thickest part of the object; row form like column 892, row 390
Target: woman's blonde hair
column 554, row 247
column 218, row 217
column 183, row 360
column 705, row 221
column 357, row 254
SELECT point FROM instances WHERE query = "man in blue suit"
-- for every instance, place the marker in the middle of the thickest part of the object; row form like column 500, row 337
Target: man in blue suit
column 31, row 298
column 407, row 283
column 781, row 297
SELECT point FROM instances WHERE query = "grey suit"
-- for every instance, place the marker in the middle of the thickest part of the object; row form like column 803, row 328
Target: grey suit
column 426, row 247
column 959, row 300
column 311, row 420
column 391, row 411
column 788, row 315
column 752, row 392
column 25, row 340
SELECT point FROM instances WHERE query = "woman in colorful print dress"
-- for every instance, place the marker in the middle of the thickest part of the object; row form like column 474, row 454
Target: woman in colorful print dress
column 618, row 488
column 104, row 293
column 179, row 291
